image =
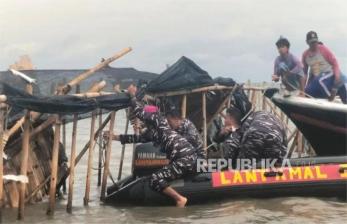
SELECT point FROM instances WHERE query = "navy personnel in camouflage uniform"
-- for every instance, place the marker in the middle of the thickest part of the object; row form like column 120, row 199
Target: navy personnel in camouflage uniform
column 260, row 136
column 182, row 155
column 182, row 126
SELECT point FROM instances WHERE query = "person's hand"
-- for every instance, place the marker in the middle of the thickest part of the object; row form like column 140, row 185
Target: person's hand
column 275, row 78
column 132, row 90
column 227, row 129
column 106, row 135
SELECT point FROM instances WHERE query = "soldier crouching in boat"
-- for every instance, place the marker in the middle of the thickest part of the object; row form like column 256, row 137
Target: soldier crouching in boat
column 182, row 155
column 182, row 126
column 260, row 136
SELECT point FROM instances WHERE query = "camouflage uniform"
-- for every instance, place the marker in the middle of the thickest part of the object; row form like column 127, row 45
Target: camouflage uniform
column 187, row 130
column 181, row 153
column 261, row 136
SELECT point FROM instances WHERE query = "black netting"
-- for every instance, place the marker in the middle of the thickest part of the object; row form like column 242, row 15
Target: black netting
column 63, row 104
column 184, row 74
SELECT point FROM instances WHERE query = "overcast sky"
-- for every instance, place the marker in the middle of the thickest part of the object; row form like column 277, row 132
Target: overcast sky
column 226, row 38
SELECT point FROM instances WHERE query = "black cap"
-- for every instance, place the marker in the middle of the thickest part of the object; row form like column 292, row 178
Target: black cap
column 282, row 41
column 172, row 110
column 311, row 37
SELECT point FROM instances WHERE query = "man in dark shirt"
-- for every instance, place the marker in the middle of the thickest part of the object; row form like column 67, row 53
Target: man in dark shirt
column 181, row 154
column 260, row 136
column 182, row 126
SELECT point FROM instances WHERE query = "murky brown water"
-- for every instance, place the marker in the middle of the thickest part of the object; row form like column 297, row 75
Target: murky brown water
column 284, row 210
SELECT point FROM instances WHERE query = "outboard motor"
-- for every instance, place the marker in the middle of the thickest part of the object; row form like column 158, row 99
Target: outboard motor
column 147, row 159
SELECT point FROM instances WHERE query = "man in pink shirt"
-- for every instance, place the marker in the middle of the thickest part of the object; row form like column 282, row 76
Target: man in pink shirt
column 325, row 78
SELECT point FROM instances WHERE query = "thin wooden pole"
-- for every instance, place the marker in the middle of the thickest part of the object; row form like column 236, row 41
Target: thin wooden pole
column 184, row 106
column 299, row 142
column 90, row 158
column 204, row 120
column 25, row 157
column 100, row 151
column 72, row 164
column 64, row 144
column 54, row 166
column 24, row 164
column 1, row 159
column 108, row 156
column 123, row 148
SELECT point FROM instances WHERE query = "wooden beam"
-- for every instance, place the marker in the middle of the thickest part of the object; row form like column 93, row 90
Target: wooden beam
column 204, row 120
column 24, row 157
column 184, row 106
column 123, row 147
column 24, row 164
column 1, row 160
column 108, row 156
column 72, row 163
column 100, row 151
column 90, row 158
column 98, row 86
column 54, row 167
column 198, row 90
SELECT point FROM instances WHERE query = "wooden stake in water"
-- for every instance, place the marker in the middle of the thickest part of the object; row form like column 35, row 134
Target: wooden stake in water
column 25, row 157
column 90, row 158
column 1, row 159
column 24, row 164
column 64, row 144
column 204, row 120
column 108, row 156
column 123, row 148
column 54, row 166
column 100, row 150
column 72, row 163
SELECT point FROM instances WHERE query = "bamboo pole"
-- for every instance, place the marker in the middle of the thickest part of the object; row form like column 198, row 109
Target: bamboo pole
column 100, row 151
column 198, row 90
column 1, row 160
column 72, row 164
column 24, row 164
column 294, row 144
column 184, row 106
column 65, row 89
column 204, row 120
column 123, row 148
column 25, row 157
column 90, row 159
column 108, row 156
column 54, row 167
column 136, row 132
column 64, row 144
column 300, row 145
column 97, row 86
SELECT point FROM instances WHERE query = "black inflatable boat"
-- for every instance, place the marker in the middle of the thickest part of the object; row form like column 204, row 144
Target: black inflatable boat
column 319, row 176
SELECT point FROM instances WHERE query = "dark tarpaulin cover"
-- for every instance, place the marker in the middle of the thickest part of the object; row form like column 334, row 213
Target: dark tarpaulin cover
column 63, row 104
column 184, row 74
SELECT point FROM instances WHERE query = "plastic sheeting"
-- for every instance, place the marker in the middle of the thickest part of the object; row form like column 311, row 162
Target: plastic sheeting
column 63, row 104
column 184, row 74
